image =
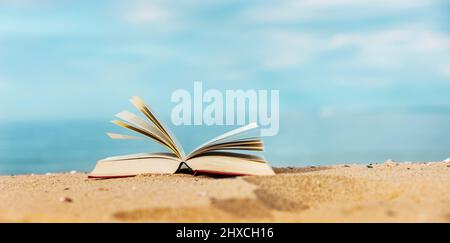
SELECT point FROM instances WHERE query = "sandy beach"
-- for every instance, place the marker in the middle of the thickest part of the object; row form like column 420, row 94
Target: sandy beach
column 384, row 192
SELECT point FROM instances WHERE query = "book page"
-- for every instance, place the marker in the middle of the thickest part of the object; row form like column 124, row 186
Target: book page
column 140, row 105
column 143, row 132
column 137, row 121
column 250, row 145
column 135, row 165
column 143, row 155
column 236, row 134
column 230, row 163
column 121, row 136
column 150, row 128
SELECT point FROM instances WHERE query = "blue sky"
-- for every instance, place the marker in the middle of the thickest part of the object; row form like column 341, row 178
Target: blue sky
column 337, row 61
column 325, row 56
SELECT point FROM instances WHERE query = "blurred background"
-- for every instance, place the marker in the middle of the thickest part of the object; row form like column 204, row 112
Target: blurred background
column 360, row 81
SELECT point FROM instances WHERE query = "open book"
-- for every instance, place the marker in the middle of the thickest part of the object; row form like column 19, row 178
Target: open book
column 216, row 156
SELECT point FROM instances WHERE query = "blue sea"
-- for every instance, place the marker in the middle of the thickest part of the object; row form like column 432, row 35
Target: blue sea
column 58, row 146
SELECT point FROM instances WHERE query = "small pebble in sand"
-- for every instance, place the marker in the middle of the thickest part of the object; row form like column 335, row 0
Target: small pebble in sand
column 369, row 166
column 67, row 188
column 202, row 194
column 391, row 213
column 65, row 199
column 448, row 165
column 346, row 166
column 103, row 189
column 73, row 172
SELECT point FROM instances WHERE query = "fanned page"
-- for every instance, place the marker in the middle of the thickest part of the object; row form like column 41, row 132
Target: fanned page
column 143, row 132
column 138, row 124
column 140, row 105
column 211, row 157
column 122, row 136
column 242, row 138
column 249, row 145
column 151, row 128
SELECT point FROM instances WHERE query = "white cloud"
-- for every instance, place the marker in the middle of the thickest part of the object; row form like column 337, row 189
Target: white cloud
column 350, row 109
column 418, row 39
column 3, row 83
column 146, row 14
column 160, row 16
column 445, row 70
column 396, row 48
column 300, row 10
column 393, row 48
column 288, row 49
column 29, row 3
column 326, row 111
column 362, row 82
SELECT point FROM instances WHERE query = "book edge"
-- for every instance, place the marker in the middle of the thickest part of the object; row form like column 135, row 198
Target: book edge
column 109, row 177
column 219, row 173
